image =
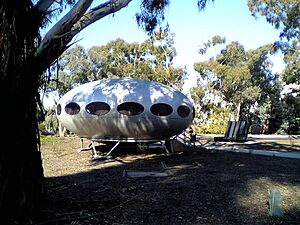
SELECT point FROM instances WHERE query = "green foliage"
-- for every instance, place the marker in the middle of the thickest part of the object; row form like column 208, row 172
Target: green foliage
column 291, row 111
column 291, row 73
column 50, row 124
column 285, row 16
column 210, row 43
column 151, row 60
column 277, row 112
column 298, row 124
column 209, row 117
column 240, row 77
column 215, row 123
column 50, row 139
column 197, row 94
column 244, row 81
column 151, row 13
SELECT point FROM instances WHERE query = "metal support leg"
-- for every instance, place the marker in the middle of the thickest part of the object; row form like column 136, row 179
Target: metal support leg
column 169, row 147
column 81, row 143
column 95, row 155
column 110, row 151
column 82, row 148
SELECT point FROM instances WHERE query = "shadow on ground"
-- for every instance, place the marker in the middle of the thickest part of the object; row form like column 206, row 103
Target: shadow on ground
column 289, row 145
column 203, row 187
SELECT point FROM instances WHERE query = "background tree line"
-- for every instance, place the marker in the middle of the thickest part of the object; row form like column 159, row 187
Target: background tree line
column 235, row 84
column 239, row 84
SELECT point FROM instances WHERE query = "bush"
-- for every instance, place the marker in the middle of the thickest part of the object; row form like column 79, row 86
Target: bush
column 215, row 123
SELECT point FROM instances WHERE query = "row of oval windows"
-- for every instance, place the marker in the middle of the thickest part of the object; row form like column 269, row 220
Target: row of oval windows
column 126, row 108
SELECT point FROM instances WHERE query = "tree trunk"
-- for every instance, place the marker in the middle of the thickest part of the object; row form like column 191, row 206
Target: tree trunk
column 61, row 130
column 21, row 172
column 238, row 112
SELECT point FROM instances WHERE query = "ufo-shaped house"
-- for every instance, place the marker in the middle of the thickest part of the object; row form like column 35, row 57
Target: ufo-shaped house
column 125, row 110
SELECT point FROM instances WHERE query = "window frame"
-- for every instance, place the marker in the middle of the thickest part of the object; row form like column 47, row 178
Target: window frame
column 169, row 108
column 185, row 107
column 74, row 110
column 107, row 110
column 122, row 110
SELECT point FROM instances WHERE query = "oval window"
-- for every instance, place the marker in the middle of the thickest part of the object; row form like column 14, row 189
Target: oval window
column 72, row 108
column 161, row 109
column 130, row 108
column 97, row 108
column 58, row 109
column 183, row 111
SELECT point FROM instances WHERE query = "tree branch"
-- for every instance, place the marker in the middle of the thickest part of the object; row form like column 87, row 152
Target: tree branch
column 57, row 39
column 99, row 12
column 47, row 48
column 65, row 24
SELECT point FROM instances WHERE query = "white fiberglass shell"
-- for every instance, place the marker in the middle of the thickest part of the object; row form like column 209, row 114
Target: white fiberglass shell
column 159, row 111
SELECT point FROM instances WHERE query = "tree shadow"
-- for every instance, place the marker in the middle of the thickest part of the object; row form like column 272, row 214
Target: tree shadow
column 204, row 187
column 280, row 147
column 288, row 146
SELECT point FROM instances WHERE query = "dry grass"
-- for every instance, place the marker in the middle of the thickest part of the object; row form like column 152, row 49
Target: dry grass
column 205, row 187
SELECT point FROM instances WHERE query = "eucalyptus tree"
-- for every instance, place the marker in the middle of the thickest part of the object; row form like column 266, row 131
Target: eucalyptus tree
column 197, row 93
column 151, row 60
column 160, row 52
column 285, row 16
column 241, row 78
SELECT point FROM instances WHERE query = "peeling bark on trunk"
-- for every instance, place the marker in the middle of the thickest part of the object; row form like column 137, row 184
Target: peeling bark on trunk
column 21, row 172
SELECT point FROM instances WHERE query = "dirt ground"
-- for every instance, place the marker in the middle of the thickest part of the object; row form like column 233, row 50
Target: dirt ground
column 193, row 186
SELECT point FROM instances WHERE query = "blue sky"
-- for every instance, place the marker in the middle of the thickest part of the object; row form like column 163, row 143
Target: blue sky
column 231, row 19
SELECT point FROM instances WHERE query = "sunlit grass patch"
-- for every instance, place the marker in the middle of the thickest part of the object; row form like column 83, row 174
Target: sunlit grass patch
column 50, row 139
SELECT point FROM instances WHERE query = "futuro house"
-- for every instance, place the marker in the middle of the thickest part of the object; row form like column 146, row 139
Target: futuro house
column 125, row 109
